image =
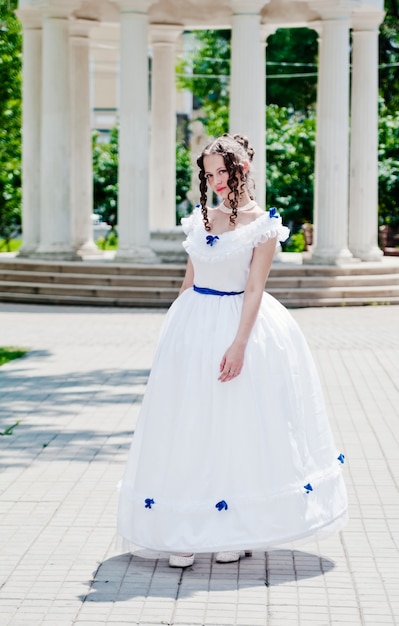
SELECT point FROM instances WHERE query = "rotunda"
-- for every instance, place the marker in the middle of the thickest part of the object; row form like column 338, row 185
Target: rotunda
column 57, row 171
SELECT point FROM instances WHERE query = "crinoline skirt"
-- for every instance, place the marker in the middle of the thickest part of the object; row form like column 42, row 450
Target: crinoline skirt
column 246, row 464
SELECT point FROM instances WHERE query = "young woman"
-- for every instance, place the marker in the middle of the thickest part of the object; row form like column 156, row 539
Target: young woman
column 233, row 450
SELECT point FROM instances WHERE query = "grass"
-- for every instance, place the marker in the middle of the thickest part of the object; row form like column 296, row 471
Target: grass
column 108, row 243
column 12, row 245
column 103, row 244
column 9, row 353
column 9, row 430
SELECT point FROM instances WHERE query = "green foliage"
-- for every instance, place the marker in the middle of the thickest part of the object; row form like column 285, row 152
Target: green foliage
column 291, row 52
column 290, row 164
column 9, row 353
column 105, row 177
column 205, row 72
column 183, row 172
column 388, row 166
column 389, row 56
column 10, row 245
column 296, row 243
column 10, row 120
column 109, row 242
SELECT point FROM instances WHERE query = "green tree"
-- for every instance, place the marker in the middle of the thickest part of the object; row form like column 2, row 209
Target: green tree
column 290, row 164
column 388, row 187
column 205, row 72
column 292, row 68
column 183, row 172
column 389, row 56
column 105, row 177
column 10, row 120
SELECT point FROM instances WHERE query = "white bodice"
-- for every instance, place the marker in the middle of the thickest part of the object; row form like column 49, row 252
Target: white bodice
column 225, row 264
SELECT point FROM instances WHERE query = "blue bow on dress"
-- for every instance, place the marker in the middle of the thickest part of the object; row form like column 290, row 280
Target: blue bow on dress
column 273, row 212
column 221, row 505
column 148, row 503
column 211, row 240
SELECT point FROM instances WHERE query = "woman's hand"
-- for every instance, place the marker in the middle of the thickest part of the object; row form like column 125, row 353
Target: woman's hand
column 232, row 362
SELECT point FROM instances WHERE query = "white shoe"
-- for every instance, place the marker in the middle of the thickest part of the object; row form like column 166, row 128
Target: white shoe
column 180, row 560
column 227, row 557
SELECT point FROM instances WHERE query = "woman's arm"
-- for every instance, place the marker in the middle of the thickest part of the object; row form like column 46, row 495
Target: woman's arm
column 233, row 358
column 188, row 280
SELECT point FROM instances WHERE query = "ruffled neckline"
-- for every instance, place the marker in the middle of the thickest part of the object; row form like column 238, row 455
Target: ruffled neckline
column 235, row 230
column 196, row 219
column 231, row 242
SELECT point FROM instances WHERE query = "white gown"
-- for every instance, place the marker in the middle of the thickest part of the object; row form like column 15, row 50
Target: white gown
column 245, row 464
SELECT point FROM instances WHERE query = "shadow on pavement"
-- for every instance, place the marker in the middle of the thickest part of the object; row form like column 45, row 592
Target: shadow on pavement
column 38, row 412
column 46, row 444
column 126, row 577
column 22, row 392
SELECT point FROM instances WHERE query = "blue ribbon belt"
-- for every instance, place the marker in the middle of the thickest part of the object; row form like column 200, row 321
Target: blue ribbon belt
column 215, row 292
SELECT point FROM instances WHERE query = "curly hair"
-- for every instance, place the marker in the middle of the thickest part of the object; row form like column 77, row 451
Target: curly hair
column 235, row 150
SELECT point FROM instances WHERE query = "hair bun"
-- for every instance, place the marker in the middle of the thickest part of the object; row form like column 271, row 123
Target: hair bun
column 243, row 141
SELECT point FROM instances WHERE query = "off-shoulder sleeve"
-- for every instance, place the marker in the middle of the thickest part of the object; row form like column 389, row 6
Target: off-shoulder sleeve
column 268, row 226
column 189, row 222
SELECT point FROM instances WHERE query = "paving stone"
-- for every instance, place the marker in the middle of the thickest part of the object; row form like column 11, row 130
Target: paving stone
column 76, row 397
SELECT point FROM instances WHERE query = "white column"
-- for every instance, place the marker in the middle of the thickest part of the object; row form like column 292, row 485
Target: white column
column 133, row 222
column 332, row 143
column 247, row 84
column 56, row 222
column 363, row 194
column 81, row 161
column 31, row 103
column 163, row 127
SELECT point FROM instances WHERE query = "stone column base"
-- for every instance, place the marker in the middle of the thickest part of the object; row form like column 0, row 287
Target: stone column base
column 136, row 255
column 27, row 251
column 368, row 254
column 330, row 257
column 167, row 245
column 55, row 254
column 89, row 248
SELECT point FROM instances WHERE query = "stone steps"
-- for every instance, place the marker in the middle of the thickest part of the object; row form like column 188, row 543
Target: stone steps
column 106, row 280
column 174, row 281
column 86, row 267
column 114, row 284
column 168, row 269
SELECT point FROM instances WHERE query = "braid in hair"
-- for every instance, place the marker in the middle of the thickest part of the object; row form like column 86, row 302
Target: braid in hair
column 203, row 192
column 233, row 196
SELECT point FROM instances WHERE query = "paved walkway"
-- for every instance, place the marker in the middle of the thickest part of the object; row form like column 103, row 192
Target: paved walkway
column 71, row 406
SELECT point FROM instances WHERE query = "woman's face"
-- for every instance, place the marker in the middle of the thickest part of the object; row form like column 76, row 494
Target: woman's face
column 217, row 174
